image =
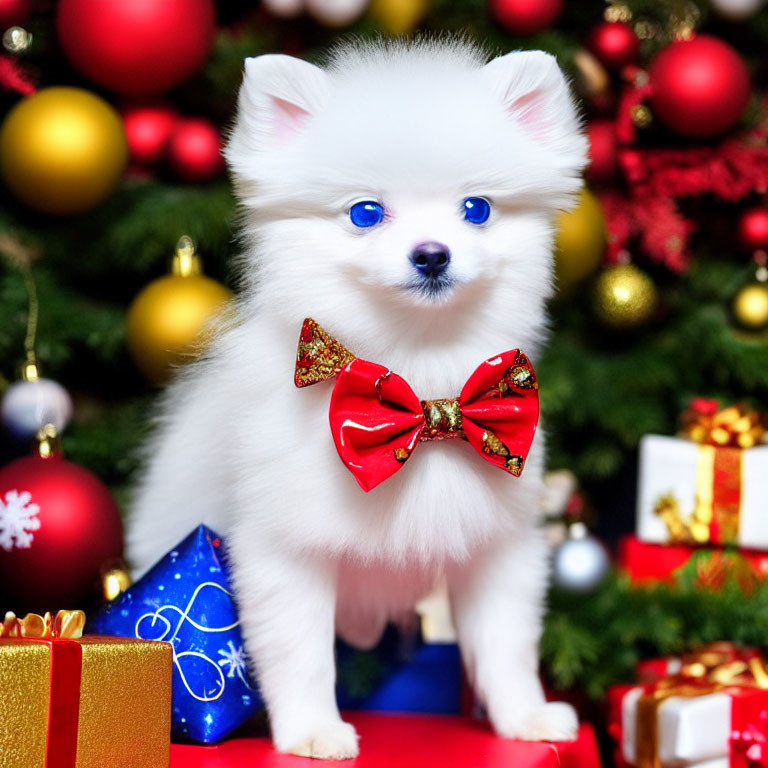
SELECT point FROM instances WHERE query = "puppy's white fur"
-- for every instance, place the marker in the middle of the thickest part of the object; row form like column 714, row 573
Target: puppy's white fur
column 417, row 127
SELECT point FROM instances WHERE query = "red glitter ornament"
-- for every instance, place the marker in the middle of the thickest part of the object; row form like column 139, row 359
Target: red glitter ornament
column 614, row 43
column 753, row 229
column 700, row 87
column 526, row 17
column 603, row 150
column 147, row 130
column 14, row 12
column 194, row 151
column 58, row 525
column 136, row 47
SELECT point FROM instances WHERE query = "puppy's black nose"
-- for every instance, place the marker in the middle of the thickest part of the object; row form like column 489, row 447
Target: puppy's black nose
column 431, row 259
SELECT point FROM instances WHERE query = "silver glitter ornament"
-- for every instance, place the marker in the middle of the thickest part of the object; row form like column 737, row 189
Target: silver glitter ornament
column 581, row 562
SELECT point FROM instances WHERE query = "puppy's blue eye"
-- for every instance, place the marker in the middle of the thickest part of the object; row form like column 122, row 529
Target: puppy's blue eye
column 476, row 209
column 366, row 214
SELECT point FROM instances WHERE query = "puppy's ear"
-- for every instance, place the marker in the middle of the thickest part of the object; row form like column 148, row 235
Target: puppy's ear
column 536, row 94
column 278, row 95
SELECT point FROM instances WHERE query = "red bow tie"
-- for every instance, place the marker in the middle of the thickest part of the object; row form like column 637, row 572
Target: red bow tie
column 377, row 420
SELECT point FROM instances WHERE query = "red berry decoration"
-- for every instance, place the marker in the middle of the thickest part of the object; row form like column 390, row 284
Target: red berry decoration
column 700, row 87
column 147, row 130
column 58, row 525
column 136, row 47
column 614, row 43
column 753, row 229
column 526, row 17
column 14, row 12
column 603, row 150
column 194, row 151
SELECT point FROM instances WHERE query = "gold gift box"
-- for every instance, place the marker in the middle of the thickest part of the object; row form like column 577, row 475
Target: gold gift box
column 119, row 718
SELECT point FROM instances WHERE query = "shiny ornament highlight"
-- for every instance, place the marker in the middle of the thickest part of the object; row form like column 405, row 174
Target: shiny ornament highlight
column 284, row 9
column 63, row 150
column 700, row 87
column 579, row 241
column 165, row 323
column 58, row 524
column 614, row 43
column 736, row 10
column 398, row 17
column 336, row 13
column 137, row 47
column 580, row 563
column 29, row 405
column 625, row 297
column 147, row 130
column 193, row 151
column 526, row 17
column 753, row 229
column 750, row 307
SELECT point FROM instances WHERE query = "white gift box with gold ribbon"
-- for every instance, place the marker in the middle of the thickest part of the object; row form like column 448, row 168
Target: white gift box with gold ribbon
column 702, row 494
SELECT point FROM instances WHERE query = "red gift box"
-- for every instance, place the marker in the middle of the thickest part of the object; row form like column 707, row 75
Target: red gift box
column 406, row 741
column 645, row 563
column 702, row 709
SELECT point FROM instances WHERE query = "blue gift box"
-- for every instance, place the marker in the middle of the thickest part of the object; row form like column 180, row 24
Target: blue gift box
column 401, row 674
column 186, row 600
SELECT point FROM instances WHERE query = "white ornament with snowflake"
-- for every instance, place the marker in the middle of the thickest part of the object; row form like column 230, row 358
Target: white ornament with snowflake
column 18, row 518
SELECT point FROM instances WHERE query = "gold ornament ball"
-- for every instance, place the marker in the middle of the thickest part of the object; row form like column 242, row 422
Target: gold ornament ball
column 625, row 297
column 750, row 306
column 62, row 150
column 165, row 323
column 579, row 241
column 398, row 17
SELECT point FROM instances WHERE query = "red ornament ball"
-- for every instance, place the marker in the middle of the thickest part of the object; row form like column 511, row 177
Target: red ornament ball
column 700, row 87
column 194, row 151
column 136, row 47
column 526, row 17
column 14, row 12
column 147, row 130
column 753, row 229
column 603, row 150
column 614, row 43
column 58, row 525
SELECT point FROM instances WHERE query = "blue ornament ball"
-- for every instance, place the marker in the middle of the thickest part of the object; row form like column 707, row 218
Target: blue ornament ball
column 29, row 405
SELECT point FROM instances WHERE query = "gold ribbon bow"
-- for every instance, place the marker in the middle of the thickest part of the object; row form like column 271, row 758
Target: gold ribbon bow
column 713, row 668
column 65, row 624
column 736, row 426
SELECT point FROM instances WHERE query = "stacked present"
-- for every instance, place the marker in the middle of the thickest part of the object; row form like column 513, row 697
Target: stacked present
column 704, row 489
column 706, row 709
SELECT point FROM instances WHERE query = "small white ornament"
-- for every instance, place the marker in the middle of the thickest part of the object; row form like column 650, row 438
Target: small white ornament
column 29, row 405
column 336, row 13
column 18, row 518
column 736, row 10
column 580, row 563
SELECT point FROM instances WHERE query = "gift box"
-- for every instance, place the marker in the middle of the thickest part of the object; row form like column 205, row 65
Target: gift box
column 186, row 600
column 708, row 709
column 407, row 741
column 647, row 563
column 81, row 702
column 706, row 487
column 402, row 674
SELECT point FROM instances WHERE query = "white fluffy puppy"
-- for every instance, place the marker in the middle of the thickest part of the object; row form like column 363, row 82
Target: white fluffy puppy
column 414, row 130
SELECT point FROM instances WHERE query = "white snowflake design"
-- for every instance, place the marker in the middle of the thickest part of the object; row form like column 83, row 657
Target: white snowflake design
column 18, row 518
column 234, row 658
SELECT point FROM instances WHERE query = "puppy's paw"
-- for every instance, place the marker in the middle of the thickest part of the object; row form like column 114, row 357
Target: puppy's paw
column 555, row 721
column 337, row 741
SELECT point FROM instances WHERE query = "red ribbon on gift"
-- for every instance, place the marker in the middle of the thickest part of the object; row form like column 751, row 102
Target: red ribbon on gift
column 66, row 654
